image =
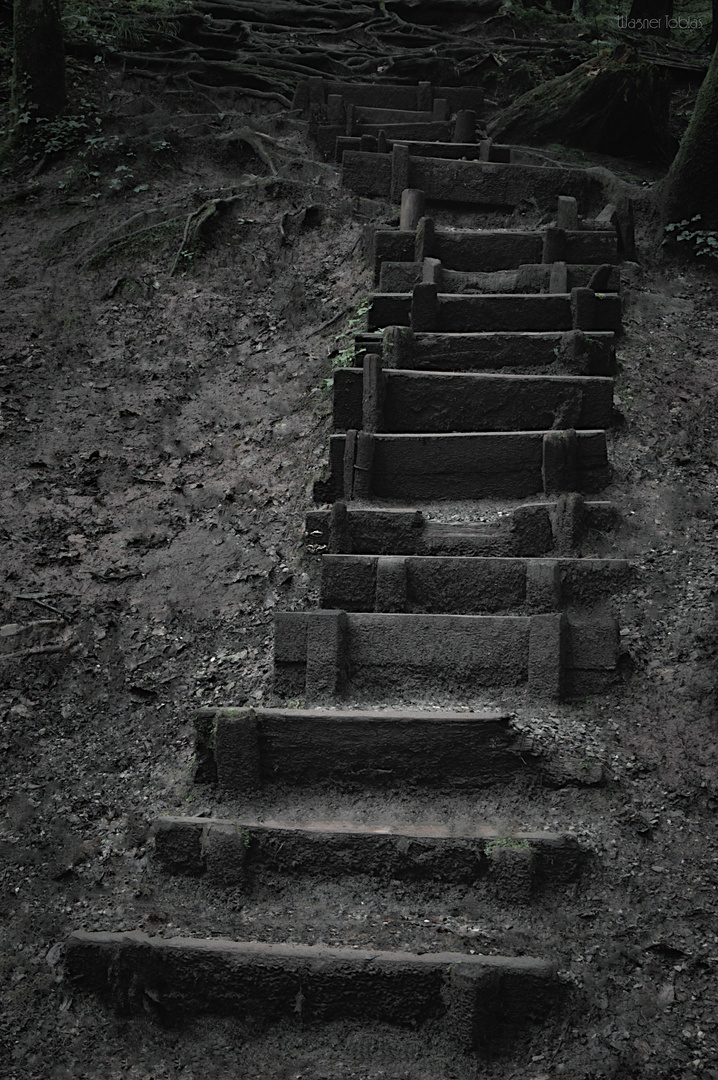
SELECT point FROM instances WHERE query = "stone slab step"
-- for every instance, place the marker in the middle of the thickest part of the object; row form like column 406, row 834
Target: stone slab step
column 324, row 655
column 475, row 1001
column 475, row 183
column 426, row 309
column 400, row 277
column 332, row 139
column 467, row 586
column 485, row 465
column 441, row 148
column 230, row 852
column 413, row 402
column 529, row 530
column 386, row 115
column 246, row 750
column 577, row 352
column 315, row 93
column 485, row 251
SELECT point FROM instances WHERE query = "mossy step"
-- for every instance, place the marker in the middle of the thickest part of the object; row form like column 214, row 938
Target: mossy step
column 329, row 654
column 465, row 585
column 530, row 530
column 486, row 250
column 572, row 352
column 476, row 1001
column 414, row 402
column 233, row 852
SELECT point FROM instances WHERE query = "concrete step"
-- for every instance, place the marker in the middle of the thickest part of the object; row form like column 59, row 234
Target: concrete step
column 235, row 852
column 328, row 654
column 484, row 465
column 573, row 351
column 413, row 402
column 440, row 147
column 528, row 530
column 332, row 139
column 248, row 750
column 331, row 95
column 468, row 586
column 477, row 1002
column 428, row 310
column 400, row 277
column 489, row 250
column 476, row 183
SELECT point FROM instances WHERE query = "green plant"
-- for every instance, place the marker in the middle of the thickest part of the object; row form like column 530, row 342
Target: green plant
column 700, row 243
column 111, row 27
column 342, row 354
column 506, row 843
column 243, row 835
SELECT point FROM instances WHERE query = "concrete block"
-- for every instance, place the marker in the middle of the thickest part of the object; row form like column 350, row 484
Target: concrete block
column 569, row 522
column 425, row 239
column 583, row 309
column 327, row 654
column 431, row 272
column 399, row 172
column 373, row 392
column 348, row 460
column 290, row 653
column 339, row 538
column 397, row 347
column 424, row 95
column 178, row 846
column 567, row 213
column 237, row 751
column 486, row 1011
column 225, row 851
column 465, row 126
column 554, row 245
column 391, row 587
column 543, row 585
column 413, row 202
column 440, row 109
column 547, row 656
column 558, row 282
column 364, row 465
column 335, row 109
column 560, row 462
column 424, row 307
column 513, row 869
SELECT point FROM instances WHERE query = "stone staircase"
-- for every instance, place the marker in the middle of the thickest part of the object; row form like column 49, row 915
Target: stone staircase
column 465, row 473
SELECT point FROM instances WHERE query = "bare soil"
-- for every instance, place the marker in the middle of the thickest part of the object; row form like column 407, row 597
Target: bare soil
column 160, row 436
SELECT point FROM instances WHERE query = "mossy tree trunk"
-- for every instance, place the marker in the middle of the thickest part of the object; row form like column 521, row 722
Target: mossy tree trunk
column 690, row 187
column 616, row 103
column 38, row 76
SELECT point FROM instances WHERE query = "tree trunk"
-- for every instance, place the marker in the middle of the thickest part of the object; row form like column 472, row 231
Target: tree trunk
column 653, row 11
column 690, row 187
column 615, row 103
column 38, row 76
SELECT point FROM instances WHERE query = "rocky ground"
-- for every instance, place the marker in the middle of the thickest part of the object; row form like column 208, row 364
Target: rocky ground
column 160, row 433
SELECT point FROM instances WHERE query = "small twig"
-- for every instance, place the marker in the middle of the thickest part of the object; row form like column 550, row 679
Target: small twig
column 37, row 650
column 37, row 600
column 183, row 241
column 329, row 322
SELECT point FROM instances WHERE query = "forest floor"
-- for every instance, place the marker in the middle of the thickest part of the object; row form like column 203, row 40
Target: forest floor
column 160, row 434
